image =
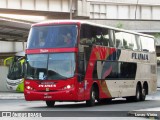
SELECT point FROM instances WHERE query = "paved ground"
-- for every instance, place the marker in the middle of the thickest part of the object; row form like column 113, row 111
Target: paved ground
column 16, row 95
column 11, row 95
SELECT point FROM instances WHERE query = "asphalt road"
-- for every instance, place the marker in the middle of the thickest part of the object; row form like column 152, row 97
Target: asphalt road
column 117, row 108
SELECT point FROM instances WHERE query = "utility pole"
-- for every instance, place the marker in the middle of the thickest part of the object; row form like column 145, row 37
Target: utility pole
column 70, row 9
column 136, row 9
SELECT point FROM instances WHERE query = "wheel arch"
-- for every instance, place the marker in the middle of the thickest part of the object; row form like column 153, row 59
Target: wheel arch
column 96, row 87
column 145, row 85
column 139, row 85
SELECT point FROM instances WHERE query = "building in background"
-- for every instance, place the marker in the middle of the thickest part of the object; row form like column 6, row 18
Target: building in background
column 139, row 15
column 16, row 16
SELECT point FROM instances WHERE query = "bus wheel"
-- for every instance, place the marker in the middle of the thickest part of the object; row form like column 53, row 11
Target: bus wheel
column 91, row 101
column 50, row 103
column 143, row 95
column 138, row 94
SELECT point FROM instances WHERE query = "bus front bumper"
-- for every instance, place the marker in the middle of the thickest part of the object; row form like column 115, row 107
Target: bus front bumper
column 65, row 95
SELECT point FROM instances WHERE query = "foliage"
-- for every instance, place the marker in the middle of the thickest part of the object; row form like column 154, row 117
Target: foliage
column 157, row 38
column 119, row 25
column 157, row 35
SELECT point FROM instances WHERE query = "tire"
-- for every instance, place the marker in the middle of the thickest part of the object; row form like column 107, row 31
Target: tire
column 50, row 103
column 91, row 101
column 138, row 94
column 143, row 95
column 137, row 97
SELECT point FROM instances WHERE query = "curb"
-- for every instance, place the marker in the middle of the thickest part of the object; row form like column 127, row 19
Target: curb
column 9, row 95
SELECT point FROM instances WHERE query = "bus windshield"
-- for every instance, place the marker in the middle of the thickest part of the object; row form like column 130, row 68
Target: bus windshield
column 57, row 36
column 15, row 70
column 54, row 66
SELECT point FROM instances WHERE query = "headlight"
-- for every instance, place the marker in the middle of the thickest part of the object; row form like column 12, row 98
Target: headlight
column 67, row 87
column 29, row 88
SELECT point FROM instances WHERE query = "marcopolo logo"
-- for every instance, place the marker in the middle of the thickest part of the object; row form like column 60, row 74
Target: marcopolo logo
column 140, row 56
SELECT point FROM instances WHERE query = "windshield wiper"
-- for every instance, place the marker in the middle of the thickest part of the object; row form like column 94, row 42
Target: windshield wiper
column 54, row 75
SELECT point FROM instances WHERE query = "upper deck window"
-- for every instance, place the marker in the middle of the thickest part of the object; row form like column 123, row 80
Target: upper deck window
column 147, row 44
column 58, row 36
column 94, row 35
column 126, row 40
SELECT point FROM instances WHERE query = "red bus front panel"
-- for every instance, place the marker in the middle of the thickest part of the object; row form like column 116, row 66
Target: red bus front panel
column 61, row 90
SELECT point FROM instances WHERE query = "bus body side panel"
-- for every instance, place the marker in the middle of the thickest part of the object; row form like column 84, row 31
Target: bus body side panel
column 119, row 86
column 145, row 71
column 99, row 53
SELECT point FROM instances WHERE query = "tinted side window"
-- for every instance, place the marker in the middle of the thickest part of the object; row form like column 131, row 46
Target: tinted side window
column 129, row 41
column 87, row 35
column 125, row 40
column 93, row 35
column 115, row 70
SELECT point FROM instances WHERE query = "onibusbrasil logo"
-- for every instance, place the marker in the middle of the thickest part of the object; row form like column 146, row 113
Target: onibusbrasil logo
column 21, row 114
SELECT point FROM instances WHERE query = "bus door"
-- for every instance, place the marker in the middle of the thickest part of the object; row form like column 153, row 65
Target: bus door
column 81, row 73
column 88, row 76
column 84, row 56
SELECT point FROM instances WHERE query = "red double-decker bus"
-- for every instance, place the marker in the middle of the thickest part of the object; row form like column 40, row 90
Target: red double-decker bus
column 70, row 60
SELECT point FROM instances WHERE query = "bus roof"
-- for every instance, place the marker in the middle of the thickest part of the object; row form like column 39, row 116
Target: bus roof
column 53, row 22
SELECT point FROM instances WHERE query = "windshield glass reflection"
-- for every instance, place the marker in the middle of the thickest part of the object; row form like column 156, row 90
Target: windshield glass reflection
column 52, row 36
column 50, row 66
column 15, row 70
